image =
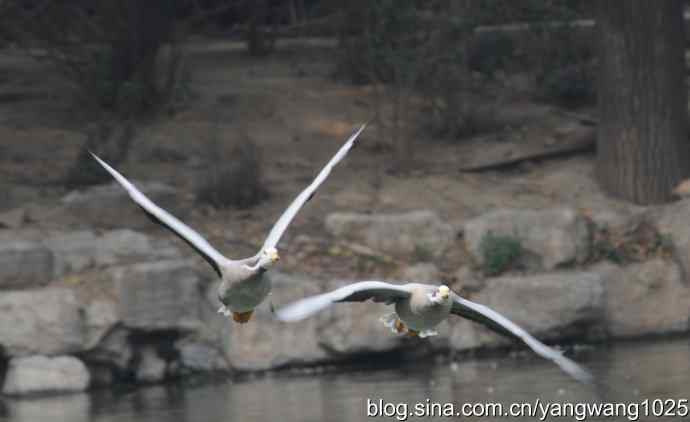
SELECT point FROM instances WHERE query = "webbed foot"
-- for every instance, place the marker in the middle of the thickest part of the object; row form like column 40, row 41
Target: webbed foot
column 242, row 317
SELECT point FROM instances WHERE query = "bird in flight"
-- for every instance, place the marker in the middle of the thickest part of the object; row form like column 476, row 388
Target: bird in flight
column 244, row 282
column 419, row 308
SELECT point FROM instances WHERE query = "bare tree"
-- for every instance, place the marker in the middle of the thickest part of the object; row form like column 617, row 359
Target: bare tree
column 642, row 138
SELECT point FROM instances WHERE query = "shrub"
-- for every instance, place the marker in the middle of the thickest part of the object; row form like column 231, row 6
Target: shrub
column 571, row 85
column 500, row 252
column 109, row 49
column 236, row 182
column 111, row 141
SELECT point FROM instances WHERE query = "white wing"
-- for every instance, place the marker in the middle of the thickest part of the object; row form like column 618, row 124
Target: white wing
column 497, row 322
column 167, row 220
column 304, row 196
column 356, row 292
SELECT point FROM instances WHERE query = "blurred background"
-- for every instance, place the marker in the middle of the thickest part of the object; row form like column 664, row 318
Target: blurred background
column 530, row 154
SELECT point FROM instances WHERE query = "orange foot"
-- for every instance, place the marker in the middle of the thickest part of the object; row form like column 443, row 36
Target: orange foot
column 399, row 326
column 242, row 317
column 412, row 333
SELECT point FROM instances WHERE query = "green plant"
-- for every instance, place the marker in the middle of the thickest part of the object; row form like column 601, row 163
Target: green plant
column 422, row 253
column 499, row 252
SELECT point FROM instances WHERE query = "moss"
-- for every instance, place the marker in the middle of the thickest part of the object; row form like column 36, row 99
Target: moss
column 500, row 252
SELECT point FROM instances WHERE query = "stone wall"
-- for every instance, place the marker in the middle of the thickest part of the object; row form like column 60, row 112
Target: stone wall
column 85, row 308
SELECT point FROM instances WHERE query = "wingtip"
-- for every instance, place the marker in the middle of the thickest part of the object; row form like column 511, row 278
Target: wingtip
column 575, row 370
column 356, row 133
column 289, row 313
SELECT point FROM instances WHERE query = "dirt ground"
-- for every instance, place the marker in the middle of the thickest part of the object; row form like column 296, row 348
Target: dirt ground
column 298, row 115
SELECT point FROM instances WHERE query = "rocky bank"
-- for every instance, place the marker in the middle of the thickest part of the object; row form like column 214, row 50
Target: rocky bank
column 84, row 308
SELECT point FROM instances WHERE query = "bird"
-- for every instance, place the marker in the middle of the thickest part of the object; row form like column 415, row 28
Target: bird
column 244, row 284
column 419, row 308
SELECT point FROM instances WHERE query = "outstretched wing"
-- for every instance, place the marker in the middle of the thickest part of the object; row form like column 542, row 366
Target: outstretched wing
column 378, row 291
column 167, row 220
column 497, row 322
column 281, row 225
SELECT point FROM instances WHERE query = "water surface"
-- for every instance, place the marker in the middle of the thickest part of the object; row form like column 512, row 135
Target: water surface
column 626, row 373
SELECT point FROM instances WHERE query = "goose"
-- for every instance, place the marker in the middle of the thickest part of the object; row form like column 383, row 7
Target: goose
column 419, row 308
column 244, row 284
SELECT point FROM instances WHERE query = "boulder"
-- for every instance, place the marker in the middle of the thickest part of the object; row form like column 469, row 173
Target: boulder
column 549, row 306
column 199, row 356
column 151, row 367
column 42, row 321
column 114, row 350
column 468, row 280
column 421, row 273
column 101, row 316
column 81, row 249
column 41, row 374
column 348, row 329
column 549, row 238
column 110, row 206
column 417, row 232
column 672, row 223
column 648, row 298
column 25, row 264
column 164, row 295
column 265, row 342
column 13, row 219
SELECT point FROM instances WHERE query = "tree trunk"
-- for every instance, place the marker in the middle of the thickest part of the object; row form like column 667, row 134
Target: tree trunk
column 258, row 41
column 642, row 145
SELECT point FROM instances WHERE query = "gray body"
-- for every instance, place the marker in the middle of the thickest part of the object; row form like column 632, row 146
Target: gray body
column 244, row 290
column 419, row 313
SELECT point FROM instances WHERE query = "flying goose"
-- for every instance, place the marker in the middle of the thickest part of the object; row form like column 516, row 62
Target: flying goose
column 244, row 284
column 419, row 308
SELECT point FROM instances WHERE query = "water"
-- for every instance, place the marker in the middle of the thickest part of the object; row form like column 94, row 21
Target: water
column 626, row 373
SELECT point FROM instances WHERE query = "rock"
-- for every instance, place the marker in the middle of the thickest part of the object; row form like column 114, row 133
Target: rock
column 25, row 264
column 266, row 343
column 164, row 295
column 114, row 350
column 551, row 306
column 421, row 273
column 13, row 219
column 151, row 367
column 43, row 321
column 74, row 251
column 348, row 329
column 110, row 206
column 199, row 356
column 549, row 238
column 468, row 280
column 41, row 374
column 101, row 316
column 643, row 299
column 417, row 232
column 672, row 223
column 101, row 375
column 78, row 250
